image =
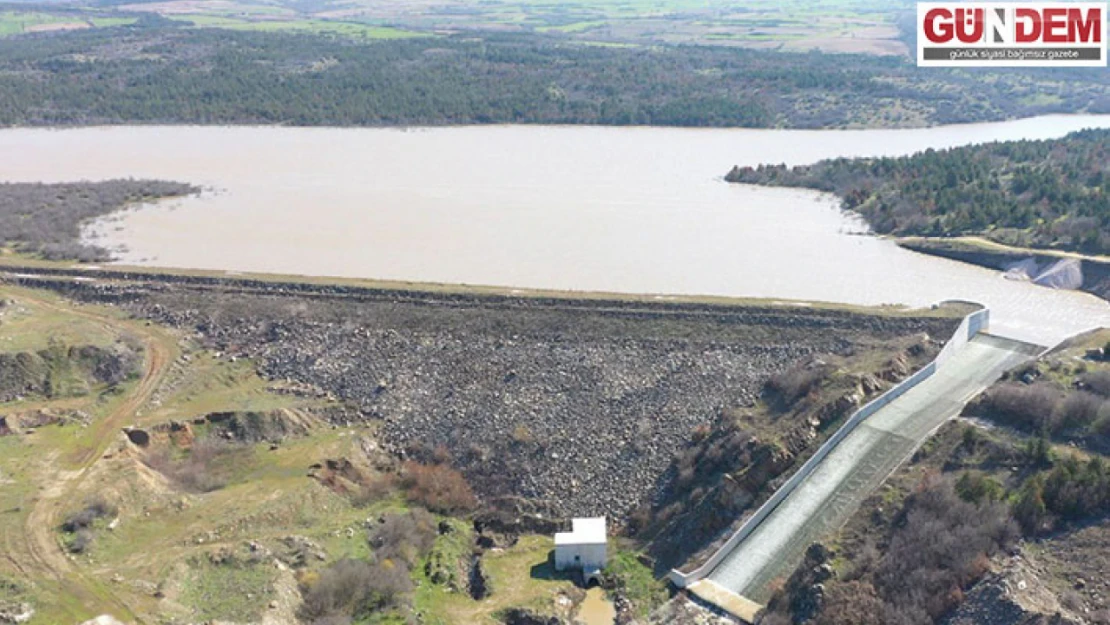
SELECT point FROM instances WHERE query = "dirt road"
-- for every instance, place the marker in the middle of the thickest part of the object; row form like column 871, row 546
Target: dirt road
column 36, row 551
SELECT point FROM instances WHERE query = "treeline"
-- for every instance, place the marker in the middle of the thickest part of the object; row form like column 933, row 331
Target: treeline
column 45, row 219
column 160, row 72
column 1051, row 194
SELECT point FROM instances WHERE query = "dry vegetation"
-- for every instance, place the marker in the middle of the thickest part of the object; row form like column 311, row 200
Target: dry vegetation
column 979, row 511
column 734, row 463
column 213, row 459
column 1064, row 399
column 45, row 219
column 353, row 589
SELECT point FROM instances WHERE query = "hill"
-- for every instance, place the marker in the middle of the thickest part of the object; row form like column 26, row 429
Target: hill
column 1046, row 194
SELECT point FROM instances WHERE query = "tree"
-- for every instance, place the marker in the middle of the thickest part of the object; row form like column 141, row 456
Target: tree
column 1030, row 511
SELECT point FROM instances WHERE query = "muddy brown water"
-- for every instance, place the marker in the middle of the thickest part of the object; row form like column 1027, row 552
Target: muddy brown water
column 636, row 210
column 596, row 609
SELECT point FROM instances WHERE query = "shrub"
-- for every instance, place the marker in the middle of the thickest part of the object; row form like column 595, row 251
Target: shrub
column 438, row 488
column 97, row 508
column 81, row 540
column 80, row 523
column 797, row 382
column 1097, row 381
column 1030, row 511
column 940, row 547
column 978, row 488
column 1101, row 427
column 1030, row 407
column 350, row 588
column 404, row 538
column 852, row 603
column 1078, row 410
column 373, row 490
column 46, row 219
column 1076, row 491
column 199, row 469
column 355, row 588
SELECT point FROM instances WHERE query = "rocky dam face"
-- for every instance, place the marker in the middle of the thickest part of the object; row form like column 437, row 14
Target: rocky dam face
column 560, row 407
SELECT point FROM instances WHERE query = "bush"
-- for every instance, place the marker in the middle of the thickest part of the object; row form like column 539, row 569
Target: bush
column 1078, row 410
column 80, row 523
column 797, row 382
column 404, row 538
column 438, row 488
column 1101, row 428
column 200, row 469
column 97, row 508
column 1030, row 407
column 852, row 603
column 1030, row 511
column 941, row 546
column 373, row 490
column 81, row 540
column 355, row 588
column 1076, row 491
column 978, row 488
column 1097, row 381
column 351, row 588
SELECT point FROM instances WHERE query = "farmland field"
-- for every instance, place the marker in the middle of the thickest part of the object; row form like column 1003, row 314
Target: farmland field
column 867, row 26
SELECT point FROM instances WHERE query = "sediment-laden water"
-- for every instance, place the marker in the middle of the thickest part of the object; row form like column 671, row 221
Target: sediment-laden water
column 636, row 210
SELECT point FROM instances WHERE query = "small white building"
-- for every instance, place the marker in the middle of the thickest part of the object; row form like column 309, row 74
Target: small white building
column 583, row 548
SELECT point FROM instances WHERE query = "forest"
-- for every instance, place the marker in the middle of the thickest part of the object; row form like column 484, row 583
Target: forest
column 1044, row 194
column 162, row 71
column 45, row 219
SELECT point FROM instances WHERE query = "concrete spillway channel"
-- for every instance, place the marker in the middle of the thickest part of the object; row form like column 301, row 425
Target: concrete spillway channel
column 826, row 498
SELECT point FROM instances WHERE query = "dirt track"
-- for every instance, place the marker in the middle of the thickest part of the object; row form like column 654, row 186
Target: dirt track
column 38, row 541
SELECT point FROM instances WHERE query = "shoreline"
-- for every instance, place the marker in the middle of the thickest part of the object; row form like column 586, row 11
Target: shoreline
column 21, row 268
column 511, row 124
column 991, row 255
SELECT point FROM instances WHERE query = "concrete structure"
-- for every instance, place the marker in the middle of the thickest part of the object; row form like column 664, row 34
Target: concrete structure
column 824, row 493
column 583, row 548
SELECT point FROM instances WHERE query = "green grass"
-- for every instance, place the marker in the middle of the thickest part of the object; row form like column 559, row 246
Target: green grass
column 520, row 576
column 236, row 591
column 576, row 27
column 27, row 326
column 352, row 30
column 637, row 581
column 107, row 22
column 15, row 22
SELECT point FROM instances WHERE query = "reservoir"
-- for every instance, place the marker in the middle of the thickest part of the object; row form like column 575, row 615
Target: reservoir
column 627, row 210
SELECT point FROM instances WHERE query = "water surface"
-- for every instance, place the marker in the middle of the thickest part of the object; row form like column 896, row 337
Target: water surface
column 636, row 210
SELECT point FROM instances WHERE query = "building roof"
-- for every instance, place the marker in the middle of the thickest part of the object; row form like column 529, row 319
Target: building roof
column 583, row 532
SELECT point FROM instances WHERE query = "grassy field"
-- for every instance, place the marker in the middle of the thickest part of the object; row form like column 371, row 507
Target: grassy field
column 352, row 30
column 20, row 22
column 835, row 25
column 16, row 22
column 50, row 473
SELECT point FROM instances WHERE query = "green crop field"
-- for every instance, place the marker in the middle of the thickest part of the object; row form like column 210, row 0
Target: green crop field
column 16, row 22
column 316, row 26
column 834, row 25
column 20, row 22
